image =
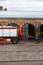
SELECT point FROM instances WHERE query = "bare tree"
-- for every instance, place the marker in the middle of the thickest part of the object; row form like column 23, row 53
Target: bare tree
column 1, row 8
column 5, row 9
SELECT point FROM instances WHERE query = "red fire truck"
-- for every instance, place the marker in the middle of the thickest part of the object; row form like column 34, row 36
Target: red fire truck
column 8, row 33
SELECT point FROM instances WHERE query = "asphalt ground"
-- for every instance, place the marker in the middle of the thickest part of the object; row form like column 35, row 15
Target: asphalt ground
column 23, row 51
column 23, row 63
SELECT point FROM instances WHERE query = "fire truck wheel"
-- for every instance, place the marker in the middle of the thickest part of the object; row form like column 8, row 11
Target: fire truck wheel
column 14, row 42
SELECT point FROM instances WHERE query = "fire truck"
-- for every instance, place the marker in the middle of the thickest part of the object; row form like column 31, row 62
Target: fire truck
column 9, row 33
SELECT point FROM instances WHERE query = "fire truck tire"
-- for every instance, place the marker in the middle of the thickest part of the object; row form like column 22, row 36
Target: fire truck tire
column 14, row 42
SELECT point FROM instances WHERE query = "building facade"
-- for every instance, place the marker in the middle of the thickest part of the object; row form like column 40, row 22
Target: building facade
column 37, row 23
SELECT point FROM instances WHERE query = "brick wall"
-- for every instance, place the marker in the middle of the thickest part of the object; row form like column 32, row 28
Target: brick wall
column 36, row 22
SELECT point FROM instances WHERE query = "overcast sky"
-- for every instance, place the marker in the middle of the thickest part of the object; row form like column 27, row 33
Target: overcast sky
column 22, row 5
column 21, row 0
